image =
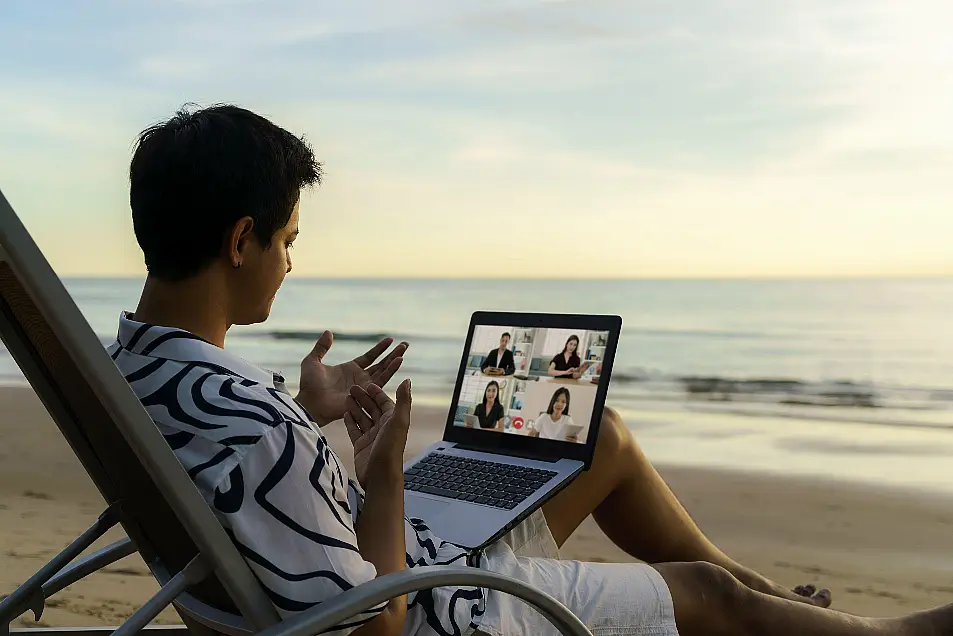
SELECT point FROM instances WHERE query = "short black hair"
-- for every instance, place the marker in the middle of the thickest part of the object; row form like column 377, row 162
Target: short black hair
column 506, row 334
column 194, row 176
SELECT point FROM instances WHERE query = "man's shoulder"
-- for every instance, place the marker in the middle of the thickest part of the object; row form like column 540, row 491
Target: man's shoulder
column 194, row 393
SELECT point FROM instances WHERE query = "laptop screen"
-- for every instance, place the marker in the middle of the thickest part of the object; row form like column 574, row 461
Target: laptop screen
column 539, row 383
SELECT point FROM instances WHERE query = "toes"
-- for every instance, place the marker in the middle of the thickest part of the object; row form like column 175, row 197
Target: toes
column 822, row 598
column 805, row 590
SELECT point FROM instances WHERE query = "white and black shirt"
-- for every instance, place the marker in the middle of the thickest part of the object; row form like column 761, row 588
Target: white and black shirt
column 265, row 468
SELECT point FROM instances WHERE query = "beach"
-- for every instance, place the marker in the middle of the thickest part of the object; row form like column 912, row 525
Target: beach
column 881, row 551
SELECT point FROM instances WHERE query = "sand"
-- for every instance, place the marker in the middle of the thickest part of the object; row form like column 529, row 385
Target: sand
column 882, row 553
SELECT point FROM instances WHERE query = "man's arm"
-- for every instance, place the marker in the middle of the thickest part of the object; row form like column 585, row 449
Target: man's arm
column 378, row 430
column 380, row 537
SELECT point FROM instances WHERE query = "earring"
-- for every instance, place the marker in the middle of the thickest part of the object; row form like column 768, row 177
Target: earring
column 238, row 265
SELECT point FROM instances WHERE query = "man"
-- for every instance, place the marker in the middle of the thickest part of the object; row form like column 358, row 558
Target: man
column 500, row 361
column 214, row 196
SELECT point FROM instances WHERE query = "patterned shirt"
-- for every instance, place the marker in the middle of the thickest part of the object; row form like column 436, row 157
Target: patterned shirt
column 277, row 487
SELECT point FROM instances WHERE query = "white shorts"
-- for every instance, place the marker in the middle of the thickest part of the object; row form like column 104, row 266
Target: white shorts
column 610, row 598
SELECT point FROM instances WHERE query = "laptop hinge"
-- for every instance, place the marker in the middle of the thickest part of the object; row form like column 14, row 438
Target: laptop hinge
column 508, row 453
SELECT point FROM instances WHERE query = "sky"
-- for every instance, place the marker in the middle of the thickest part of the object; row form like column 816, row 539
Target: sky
column 517, row 138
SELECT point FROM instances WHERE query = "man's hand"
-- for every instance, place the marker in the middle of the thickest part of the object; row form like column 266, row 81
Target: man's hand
column 378, row 429
column 324, row 389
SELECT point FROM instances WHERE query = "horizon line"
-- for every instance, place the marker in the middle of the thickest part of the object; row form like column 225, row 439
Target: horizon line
column 766, row 278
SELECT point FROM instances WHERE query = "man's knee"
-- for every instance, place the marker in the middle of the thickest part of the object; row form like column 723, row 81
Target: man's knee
column 716, row 582
column 708, row 596
column 615, row 439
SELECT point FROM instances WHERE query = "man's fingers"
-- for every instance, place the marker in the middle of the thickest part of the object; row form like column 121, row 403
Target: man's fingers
column 322, row 346
column 404, row 400
column 353, row 430
column 384, row 403
column 369, row 403
column 398, row 352
column 383, row 376
column 361, row 419
column 373, row 353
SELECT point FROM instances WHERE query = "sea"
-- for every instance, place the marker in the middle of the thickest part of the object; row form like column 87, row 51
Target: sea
column 850, row 379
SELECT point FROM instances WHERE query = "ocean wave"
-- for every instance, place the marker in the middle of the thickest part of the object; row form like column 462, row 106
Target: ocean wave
column 703, row 333
column 344, row 336
column 375, row 336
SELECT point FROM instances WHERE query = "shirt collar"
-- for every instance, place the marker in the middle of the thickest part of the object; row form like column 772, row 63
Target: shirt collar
column 170, row 343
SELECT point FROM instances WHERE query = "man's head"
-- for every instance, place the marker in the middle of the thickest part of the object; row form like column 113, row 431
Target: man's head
column 504, row 340
column 216, row 190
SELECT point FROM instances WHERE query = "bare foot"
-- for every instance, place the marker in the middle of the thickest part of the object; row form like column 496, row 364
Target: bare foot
column 808, row 594
column 821, row 598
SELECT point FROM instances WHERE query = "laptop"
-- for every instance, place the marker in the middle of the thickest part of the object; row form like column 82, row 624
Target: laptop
column 512, row 442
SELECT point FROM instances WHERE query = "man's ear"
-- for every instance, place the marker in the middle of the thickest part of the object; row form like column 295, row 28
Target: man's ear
column 238, row 239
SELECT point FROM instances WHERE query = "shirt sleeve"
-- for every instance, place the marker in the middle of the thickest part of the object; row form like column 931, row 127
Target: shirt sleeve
column 286, row 506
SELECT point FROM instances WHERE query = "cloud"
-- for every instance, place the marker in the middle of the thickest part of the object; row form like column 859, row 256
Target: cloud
column 708, row 137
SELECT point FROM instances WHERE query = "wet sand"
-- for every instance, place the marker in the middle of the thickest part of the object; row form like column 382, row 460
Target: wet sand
column 882, row 552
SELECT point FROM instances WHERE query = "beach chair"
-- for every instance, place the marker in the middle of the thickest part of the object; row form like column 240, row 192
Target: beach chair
column 148, row 493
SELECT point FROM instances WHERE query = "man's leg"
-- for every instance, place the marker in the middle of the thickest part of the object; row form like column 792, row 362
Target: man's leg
column 635, row 508
column 709, row 601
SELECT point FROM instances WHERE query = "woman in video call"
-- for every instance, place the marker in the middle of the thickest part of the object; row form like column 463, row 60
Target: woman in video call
column 500, row 361
column 490, row 411
column 566, row 363
column 555, row 422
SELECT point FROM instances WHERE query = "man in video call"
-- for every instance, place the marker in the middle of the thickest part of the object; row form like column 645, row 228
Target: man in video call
column 500, row 361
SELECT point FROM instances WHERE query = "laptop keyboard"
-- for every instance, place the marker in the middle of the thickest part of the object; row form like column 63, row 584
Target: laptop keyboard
column 481, row 482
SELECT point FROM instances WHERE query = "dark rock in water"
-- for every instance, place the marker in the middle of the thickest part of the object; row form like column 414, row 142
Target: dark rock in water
column 709, row 385
column 728, row 386
column 314, row 335
column 775, row 386
column 835, row 399
column 790, row 392
column 850, row 398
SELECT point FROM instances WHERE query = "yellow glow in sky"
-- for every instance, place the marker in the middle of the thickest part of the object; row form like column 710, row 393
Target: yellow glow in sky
column 524, row 139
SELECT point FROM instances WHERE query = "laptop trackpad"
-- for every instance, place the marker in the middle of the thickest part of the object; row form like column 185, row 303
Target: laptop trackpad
column 425, row 508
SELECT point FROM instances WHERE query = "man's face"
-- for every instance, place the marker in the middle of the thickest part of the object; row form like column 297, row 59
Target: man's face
column 265, row 271
column 504, row 342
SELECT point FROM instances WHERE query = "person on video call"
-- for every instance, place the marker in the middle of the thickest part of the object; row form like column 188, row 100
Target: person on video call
column 500, row 361
column 555, row 423
column 490, row 411
column 566, row 364
column 215, row 195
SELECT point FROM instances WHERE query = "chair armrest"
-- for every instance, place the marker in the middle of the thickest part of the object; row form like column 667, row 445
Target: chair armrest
column 76, row 570
column 87, row 565
column 361, row 598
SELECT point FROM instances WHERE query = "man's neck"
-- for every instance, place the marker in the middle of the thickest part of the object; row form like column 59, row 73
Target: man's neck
column 195, row 305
